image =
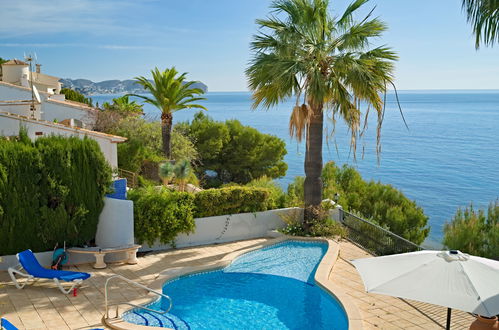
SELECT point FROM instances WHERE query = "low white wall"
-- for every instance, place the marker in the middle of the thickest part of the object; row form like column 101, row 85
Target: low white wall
column 228, row 228
column 116, row 227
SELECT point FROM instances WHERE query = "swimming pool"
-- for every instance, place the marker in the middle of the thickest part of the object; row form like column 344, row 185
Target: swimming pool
column 269, row 288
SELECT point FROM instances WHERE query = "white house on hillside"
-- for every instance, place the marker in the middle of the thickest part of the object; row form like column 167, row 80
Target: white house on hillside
column 44, row 111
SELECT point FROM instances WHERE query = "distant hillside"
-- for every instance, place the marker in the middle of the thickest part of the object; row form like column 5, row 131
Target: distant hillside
column 89, row 87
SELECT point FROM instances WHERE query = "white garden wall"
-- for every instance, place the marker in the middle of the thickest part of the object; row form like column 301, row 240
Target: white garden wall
column 116, row 228
column 229, row 228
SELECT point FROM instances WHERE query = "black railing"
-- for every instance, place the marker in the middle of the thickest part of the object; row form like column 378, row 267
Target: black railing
column 374, row 238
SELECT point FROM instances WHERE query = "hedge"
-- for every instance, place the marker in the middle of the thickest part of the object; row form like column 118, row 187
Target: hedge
column 232, row 200
column 50, row 191
column 161, row 214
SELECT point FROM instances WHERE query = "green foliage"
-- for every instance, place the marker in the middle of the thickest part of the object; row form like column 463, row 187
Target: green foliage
column 322, row 226
column 49, row 193
column 166, row 171
column 232, row 200
column 124, row 106
column 328, row 228
column 474, row 232
column 276, row 192
column 484, row 17
column 235, row 152
column 144, row 144
column 380, row 203
column 303, row 50
column 161, row 214
column 296, row 194
column 76, row 96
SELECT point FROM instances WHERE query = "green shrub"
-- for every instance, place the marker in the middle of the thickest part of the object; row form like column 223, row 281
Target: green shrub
column 76, row 96
column 236, row 153
column 276, row 192
column 380, row 203
column 144, row 144
column 474, row 231
column 50, row 191
column 232, row 200
column 161, row 214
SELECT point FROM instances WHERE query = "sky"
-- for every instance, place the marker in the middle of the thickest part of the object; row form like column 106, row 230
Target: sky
column 209, row 39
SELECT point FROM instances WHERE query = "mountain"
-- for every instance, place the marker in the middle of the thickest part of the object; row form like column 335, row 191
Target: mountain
column 89, row 87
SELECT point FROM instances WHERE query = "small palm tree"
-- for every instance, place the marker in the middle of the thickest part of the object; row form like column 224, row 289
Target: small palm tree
column 484, row 17
column 326, row 62
column 124, row 106
column 170, row 93
column 166, row 172
column 182, row 170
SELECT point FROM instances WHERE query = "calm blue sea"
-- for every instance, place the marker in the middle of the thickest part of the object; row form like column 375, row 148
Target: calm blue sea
column 448, row 158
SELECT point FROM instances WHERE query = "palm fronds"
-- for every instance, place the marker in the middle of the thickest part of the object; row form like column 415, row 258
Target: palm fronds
column 484, row 17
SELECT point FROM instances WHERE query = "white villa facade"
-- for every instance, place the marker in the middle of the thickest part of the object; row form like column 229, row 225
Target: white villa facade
column 44, row 111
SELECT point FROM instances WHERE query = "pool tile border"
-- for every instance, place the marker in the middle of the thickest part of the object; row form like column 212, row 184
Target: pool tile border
column 321, row 278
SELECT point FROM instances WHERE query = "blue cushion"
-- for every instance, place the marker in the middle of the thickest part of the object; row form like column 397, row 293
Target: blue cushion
column 119, row 188
column 33, row 267
column 7, row 325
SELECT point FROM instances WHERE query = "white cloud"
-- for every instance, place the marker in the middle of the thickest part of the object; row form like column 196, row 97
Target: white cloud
column 35, row 17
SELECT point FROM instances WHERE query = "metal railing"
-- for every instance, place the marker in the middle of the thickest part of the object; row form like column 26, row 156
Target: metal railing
column 107, row 305
column 131, row 177
column 374, row 238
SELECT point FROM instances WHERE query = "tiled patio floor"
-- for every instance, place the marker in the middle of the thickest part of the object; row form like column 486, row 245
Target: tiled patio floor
column 42, row 306
column 383, row 312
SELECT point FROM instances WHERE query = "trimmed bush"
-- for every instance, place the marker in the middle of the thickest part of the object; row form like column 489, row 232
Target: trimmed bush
column 233, row 200
column 161, row 214
column 50, row 191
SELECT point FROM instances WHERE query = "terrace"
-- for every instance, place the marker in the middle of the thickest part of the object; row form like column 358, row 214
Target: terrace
column 42, row 306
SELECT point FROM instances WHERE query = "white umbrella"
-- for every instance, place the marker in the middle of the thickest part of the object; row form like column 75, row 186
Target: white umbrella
column 446, row 278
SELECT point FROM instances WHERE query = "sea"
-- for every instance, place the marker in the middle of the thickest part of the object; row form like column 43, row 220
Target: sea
column 447, row 157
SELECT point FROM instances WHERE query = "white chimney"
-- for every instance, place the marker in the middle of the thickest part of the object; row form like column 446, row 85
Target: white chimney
column 38, row 68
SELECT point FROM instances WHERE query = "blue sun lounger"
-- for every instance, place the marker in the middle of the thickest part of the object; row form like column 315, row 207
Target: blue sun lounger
column 35, row 271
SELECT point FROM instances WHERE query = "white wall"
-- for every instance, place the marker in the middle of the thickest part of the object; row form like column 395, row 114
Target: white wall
column 59, row 112
column 14, row 73
column 115, row 224
column 21, row 109
column 9, row 126
column 240, row 227
column 11, row 93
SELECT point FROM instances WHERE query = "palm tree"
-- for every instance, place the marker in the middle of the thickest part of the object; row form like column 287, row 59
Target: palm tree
column 170, row 93
column 182, row 170
column 324, row 62
column 484, row 16
column 124, row 106
column 166, row 172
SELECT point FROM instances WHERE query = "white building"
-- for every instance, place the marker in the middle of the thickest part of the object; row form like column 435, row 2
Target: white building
column 44, row 111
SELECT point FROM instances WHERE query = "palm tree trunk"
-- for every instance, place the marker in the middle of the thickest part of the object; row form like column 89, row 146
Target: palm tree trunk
column 166, row 132
column 313, row 166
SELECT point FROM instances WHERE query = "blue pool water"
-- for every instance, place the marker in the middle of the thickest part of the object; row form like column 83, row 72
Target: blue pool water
column 270, row 288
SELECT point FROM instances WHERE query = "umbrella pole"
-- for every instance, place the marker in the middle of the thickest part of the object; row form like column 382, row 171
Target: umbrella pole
column 448, row 319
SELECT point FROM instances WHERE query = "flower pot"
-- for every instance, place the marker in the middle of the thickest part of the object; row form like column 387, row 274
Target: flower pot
column 483, row 323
